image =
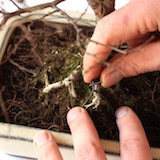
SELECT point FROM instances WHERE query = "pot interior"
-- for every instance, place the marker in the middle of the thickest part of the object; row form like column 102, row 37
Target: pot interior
column 41, row 80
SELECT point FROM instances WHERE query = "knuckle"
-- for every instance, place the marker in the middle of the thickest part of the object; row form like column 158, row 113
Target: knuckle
column 126, row 69
column 88, row 151
column 130, row 68
column 133, row 145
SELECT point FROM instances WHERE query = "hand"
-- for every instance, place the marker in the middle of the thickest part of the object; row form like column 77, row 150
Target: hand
column 87, row 145
column 133, row 24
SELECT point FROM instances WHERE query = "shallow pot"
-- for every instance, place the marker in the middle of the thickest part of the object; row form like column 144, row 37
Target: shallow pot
column 17, row 139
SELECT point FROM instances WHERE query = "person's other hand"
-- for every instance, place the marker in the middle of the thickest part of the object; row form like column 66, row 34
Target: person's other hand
column 87, row 145
column 133, row 24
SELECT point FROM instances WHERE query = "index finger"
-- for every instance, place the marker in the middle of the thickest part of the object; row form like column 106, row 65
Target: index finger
column 86, row 141
column 120, row 26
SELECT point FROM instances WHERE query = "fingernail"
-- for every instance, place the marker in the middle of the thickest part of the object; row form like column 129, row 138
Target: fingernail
column 41, row 138
column 74, row 113
column 121, row 112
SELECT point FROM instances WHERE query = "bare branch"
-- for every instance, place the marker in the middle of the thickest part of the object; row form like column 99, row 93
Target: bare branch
column 30, row 9
column 78, row 30
column 110, row 47
column 15, row 4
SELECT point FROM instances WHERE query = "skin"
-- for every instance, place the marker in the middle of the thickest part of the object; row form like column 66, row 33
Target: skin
column 86, row 142
column 132, row 24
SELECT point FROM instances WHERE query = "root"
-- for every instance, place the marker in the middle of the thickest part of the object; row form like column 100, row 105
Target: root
column 3, row 107
column 96, row 101
column 67, row 82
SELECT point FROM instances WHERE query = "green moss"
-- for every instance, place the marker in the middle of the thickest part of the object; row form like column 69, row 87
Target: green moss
column 62, row 63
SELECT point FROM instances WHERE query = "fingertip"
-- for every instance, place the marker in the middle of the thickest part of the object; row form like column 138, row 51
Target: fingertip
column 46, row 147
column 80, row 122
column 86, row 141
column 127, row 117
column 121, row 112
column 91, row 70
column 133, row 140
column 74, row 113
column 86, row 78
column 41, row 138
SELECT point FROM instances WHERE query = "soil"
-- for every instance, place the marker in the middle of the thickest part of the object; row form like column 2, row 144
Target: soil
column 41, row 53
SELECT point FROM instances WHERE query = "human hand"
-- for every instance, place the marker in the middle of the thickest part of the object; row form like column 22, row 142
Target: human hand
column 87, row 145
column 133, row 24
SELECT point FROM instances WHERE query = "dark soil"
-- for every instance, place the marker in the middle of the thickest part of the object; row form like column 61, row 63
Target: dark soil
column 40, row 50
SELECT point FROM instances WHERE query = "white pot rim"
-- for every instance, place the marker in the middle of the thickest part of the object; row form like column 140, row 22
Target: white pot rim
column 8, row 28
column 12, row 135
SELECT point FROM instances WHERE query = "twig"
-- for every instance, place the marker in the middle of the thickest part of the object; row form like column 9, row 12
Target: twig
column 15, row 4
column 99, row 62
column 110, row 47
column 124, row 52
column 82, row 15
column 142, row 45
column 46, row 15
column 29, row 37
column 30, row 9
column 70, row 19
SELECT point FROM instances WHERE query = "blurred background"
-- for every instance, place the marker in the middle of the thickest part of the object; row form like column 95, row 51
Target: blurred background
column 74, row 5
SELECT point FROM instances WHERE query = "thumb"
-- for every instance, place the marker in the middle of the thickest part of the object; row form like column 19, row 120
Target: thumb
column 123, row 25
column 144, row 60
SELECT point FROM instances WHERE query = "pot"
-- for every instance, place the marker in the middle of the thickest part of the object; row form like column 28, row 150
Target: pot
column 17, row 139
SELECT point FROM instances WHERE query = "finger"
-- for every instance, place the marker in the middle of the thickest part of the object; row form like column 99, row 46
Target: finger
column 139, row 40
column 46, row 147
column 141, row 61
column 133, row 141
column 86, row 141
column 120, row 26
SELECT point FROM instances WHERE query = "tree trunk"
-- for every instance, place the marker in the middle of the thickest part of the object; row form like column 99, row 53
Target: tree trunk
column 101, row 7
